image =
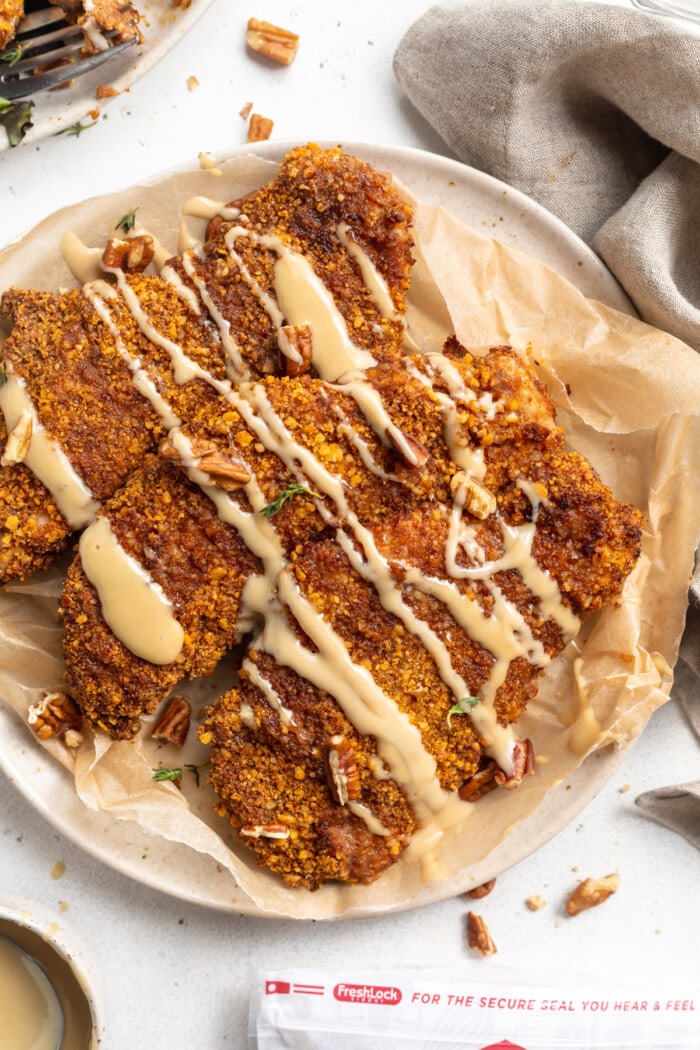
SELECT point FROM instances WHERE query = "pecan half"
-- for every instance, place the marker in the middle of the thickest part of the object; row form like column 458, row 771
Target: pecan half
column 57, row 714
column 478, row 936
column 592, row 892
column 341, row 769
column 480, row 784
column 272, row 41
column 174, row 724
column 295, row 346
column 523, row 765
column 133, row 253
column 225, row 471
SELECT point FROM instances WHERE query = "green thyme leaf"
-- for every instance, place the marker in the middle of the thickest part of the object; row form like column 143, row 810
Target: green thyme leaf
column 16, row 117
column 462, row 707
column 12, row 56
column 284, row 497
column 176, row 772
column 76, row 129
column 127, row 222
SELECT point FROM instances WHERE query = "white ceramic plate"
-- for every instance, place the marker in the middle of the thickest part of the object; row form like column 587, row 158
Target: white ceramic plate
column 502, row 212
column 163, row 27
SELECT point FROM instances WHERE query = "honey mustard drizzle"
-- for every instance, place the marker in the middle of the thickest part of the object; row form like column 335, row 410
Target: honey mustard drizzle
column 301, row 298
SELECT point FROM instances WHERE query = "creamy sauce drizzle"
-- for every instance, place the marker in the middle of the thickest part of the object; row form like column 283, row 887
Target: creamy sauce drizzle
column 45, row 457
column 301, row 298
column 133, row 604
column 371, row 276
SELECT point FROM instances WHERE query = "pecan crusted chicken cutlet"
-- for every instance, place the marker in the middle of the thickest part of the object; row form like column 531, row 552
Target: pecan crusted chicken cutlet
column 108, row 369
column 357, row 558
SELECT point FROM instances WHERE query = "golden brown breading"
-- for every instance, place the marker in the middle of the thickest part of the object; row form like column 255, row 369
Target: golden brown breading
column 172, row 529
column 78, row 352
column 269, row 773
column 32, row 531
column 11, row 12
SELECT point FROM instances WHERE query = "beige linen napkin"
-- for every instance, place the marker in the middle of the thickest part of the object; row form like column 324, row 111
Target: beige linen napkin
column 594, row 111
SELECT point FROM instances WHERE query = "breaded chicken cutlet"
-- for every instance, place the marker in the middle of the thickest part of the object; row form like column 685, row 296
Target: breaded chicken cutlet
column 399, row 578
column 103, row 373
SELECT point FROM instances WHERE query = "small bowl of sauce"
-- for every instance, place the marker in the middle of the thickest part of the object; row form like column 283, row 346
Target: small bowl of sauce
column 46, row 999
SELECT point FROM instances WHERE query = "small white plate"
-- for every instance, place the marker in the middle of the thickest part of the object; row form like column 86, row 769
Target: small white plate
column 500, row 211
column 163, row 26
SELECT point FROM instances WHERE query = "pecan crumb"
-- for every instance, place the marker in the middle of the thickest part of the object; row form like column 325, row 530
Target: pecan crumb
column 478, row 936
column 592, row 892
column 535, row 903
column 192, row 83
column 260, row 128
column 246, row 111
column 481, row 891
column 105, row 91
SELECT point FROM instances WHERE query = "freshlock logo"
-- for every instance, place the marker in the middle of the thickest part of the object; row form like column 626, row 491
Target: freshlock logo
column 367, row 993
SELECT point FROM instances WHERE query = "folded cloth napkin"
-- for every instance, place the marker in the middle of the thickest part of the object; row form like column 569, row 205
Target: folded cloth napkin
column 594, row 111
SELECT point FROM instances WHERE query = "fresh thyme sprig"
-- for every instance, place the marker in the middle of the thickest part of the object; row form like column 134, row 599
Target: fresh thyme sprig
column 76, row 129
column 462, row 707
column 12, row 56
column 176, row 772
column 285, row 496
column 127, row 222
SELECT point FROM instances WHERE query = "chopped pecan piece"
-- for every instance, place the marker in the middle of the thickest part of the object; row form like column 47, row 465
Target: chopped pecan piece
column 341, row 769
column 132, row 253
column 295, row 346
column 592, row 892
column 272, row 41
column 476, row 499
column 481, row 891
column 265, row 831
column 409, row 447
column 523, row 765
column 174, row 725
column 18, row 440
column 478, row 936
column 224, row 471
column 480, row 784
column 57, row 714
column 536, row 903
column 260, row 128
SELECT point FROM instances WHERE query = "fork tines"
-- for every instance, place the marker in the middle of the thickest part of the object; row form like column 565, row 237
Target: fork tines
column 48, row 51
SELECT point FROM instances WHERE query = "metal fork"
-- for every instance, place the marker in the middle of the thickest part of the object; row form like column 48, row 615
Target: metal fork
column 45, row 53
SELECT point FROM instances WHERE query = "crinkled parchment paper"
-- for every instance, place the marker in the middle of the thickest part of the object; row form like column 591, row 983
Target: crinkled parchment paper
column 629, row 399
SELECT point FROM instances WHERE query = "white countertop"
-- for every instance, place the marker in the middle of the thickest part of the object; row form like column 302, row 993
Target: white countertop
column 174, row 974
